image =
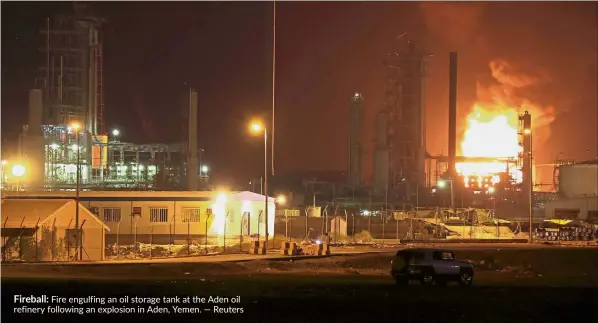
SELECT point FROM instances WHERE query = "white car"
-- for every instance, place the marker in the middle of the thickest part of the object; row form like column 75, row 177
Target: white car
column 430, row 267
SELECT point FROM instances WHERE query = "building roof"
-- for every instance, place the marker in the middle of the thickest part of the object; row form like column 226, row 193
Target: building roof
column 27, row 213
column 31, row 212
column 137, row 195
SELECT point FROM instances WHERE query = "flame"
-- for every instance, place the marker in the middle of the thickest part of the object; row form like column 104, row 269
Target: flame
column 492, row 124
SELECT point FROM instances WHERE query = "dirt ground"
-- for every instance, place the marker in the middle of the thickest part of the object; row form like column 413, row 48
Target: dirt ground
column 510, row 285
column 512, row 266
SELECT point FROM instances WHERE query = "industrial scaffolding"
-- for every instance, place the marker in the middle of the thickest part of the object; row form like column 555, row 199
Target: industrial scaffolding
column 71, row 73
column 404, row 107
column 69, row 89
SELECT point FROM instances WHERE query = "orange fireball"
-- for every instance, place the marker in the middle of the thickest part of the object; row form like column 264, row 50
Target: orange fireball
column 492, row 124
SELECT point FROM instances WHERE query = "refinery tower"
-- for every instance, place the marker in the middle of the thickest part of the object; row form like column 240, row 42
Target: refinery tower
column 66, row 124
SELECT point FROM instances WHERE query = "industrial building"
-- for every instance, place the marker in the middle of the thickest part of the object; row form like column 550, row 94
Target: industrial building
column 44, row 230
column 165, row 217
column 66, row 125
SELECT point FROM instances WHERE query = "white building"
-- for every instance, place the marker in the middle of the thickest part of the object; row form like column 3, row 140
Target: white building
column 172, row 216
column 39, row 230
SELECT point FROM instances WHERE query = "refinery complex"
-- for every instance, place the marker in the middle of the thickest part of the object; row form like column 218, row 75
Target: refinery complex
column 65, row 146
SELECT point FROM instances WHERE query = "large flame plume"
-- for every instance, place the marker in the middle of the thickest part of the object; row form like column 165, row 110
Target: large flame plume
column 492, row 124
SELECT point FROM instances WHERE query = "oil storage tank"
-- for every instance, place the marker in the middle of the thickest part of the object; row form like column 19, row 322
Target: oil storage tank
column 578, row 180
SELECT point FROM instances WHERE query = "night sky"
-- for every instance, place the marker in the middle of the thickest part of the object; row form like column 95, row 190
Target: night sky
column 325, row 51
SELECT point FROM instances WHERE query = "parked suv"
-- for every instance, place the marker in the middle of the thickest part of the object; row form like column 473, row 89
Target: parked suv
column 430, row 266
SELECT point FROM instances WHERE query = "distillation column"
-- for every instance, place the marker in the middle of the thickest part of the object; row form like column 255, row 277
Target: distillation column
column 355, row 145
column 192, row 159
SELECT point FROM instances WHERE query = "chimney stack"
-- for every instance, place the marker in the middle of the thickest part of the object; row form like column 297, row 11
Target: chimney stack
column 452, row 145
column 192, row 159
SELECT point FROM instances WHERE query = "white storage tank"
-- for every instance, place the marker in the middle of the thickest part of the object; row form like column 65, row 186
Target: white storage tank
column 578, row 180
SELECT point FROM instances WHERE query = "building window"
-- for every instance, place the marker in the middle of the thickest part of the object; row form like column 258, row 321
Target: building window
column 137, row 210
column 158, row 214
column 191, row 214
column 94, row 210
column 112, row 214
column 209, row 211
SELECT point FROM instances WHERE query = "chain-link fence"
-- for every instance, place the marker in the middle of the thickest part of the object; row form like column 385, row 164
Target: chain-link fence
column 393, row 226
column 42, row 243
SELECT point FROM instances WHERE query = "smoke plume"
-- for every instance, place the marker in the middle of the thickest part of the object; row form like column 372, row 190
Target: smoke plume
column 454, row 22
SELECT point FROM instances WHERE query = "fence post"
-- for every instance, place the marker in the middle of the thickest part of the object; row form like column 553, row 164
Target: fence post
column 224, row 238
column 397, row 220
column 241, row 232
column 353, row 229
column 306, row 225
column 54, row 239
column 68, row 242
column 259, row 219
column 135, row 239
column 151, row 240
column 206, row 233
column 5, row 240
column 36, row 246
column 383, row 226
column 117, row 240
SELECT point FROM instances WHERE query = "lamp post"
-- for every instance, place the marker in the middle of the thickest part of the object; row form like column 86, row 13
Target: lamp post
column 442, row 184
column 257, row 127
column 281, row 200
column 18, row 171
column 76, row 127
column 204, row 171
column 528, row 132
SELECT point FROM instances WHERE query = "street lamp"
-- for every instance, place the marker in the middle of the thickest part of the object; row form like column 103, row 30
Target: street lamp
column 204, row 170
column 257, row 127
column 528, row 132
column 442, row 184
column 18, row 171
column 76, row 127
column 115, row 132
column 281, row 199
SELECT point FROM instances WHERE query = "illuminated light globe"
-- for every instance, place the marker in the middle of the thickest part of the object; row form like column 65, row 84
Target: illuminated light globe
column 18, row 170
